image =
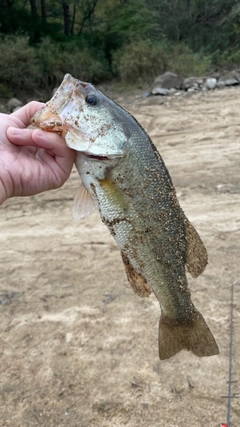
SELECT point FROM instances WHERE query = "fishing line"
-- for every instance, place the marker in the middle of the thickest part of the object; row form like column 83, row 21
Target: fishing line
column 230, row 363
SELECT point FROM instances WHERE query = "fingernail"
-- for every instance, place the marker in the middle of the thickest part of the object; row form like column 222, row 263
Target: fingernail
column 39, row 133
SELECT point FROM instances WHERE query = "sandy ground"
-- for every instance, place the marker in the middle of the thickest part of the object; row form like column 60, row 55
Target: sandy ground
column 77, row 347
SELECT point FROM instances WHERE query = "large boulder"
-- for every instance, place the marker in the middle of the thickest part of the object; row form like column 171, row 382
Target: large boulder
column 210, row 83
column 166, row 81
column 193, row 83
column 231, row 78
column 3, row 108
column 14, row 103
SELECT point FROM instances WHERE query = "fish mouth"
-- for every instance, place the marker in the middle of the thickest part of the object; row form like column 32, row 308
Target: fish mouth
column 97, row 157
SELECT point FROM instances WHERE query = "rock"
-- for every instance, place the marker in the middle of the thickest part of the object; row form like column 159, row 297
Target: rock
column 172, row 91
column 160, row 91
column 14, row 103
column 146, row 93
column 231, row 78
column 220, row 85
column 3, row 108
column 193, row 82
column 227, row 81
column 193, row 89
column 166, row 81
column 237, row 74
column 210, row 83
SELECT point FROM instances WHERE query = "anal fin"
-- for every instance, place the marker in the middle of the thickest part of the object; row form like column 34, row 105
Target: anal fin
column 138, row 283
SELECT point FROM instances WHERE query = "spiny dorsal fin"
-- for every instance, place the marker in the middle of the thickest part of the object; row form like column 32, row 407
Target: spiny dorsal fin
column 136, row 280
column 197, row 257
column 83, row 204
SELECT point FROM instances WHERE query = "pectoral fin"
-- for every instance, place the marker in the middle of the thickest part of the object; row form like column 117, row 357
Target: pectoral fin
column 138, row 283
column 83, row 204
column 197, row 257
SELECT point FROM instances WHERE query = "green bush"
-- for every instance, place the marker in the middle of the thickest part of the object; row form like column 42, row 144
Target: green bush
column 58, row 59
column 220, row 58
column 19, row 69
column 235, row 58
column 186, row 62
column 37, row 70
column 142, row 61
column 225, row 60
column 5, row 91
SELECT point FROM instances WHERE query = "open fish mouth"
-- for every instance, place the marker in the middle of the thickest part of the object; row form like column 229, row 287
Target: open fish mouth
column 98, row 156
column 95, row 157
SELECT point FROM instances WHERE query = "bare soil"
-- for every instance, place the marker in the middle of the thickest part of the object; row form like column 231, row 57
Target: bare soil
column 77, row 347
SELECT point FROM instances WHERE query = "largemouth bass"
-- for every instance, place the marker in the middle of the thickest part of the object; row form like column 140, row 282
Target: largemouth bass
column 124, row 176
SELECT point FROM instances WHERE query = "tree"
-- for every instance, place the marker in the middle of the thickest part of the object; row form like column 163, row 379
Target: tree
column 87, row 8
column 66, row 18
column 43, row 10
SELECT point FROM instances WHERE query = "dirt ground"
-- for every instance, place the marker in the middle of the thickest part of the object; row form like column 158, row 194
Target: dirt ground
column 77, row 347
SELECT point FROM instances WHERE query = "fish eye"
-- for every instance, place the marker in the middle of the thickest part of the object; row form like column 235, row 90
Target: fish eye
column 91, row 99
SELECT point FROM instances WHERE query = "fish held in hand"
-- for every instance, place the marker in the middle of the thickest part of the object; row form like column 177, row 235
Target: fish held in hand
column 125, row 178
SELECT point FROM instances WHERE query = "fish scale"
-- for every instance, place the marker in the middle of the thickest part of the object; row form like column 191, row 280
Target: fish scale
column 126, row 179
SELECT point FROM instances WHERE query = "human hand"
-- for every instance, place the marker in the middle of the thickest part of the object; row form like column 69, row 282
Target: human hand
column 31, row 160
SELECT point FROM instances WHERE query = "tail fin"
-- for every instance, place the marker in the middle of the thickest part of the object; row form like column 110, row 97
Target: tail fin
column 193, row 335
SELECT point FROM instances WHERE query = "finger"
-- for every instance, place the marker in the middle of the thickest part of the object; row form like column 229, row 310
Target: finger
column 27, row 112
column 52, row 141
column 21, row 136
column 55, row 153
column 35, row 138
column 55, row 145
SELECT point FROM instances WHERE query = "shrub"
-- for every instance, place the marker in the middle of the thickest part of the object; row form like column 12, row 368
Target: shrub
column 186, row 62
column 235, row 58
column 142, row 61
column 19, row 69
column 58, row 59
column 37, row 70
